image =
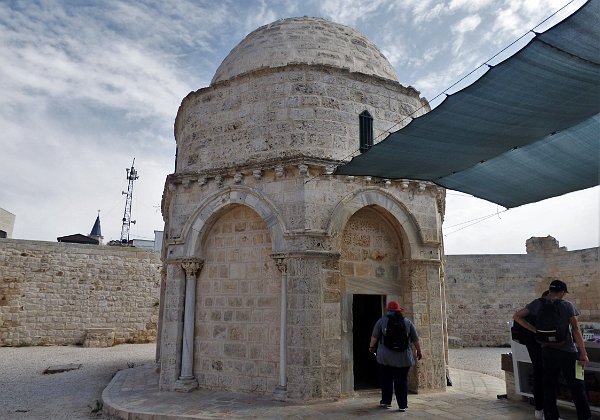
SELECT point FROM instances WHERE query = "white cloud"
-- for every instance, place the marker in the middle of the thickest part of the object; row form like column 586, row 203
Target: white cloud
column 349, row 12
column 424, row 12
column 87, row 86
column 466, row 24
column 469, row 5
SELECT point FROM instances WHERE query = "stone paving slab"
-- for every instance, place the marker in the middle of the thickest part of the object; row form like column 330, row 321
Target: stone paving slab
column 133, row 394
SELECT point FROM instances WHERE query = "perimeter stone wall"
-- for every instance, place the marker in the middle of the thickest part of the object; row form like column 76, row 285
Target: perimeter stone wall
column 483, row 291
column 65, row 294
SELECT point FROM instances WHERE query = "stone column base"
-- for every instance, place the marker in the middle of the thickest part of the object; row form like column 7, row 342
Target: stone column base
column 186, row 384
column 280, row 393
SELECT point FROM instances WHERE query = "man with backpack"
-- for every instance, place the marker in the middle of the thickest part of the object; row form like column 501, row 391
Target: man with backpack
column 391, row 342
column 558, row 331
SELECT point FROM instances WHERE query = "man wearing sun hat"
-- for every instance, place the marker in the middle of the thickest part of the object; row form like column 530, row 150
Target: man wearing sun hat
column 394, row 364
column 563, row 355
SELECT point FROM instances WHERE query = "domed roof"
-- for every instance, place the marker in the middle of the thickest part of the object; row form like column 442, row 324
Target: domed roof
column 305, row 40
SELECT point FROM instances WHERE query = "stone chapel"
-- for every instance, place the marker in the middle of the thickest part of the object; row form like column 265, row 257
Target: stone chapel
column 274, row 269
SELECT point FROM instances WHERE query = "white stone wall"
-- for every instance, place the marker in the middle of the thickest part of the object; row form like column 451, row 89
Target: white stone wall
column 307, row 215
column 484, row 291
column 260, row 148
column 274, row 114
column 51, row 293
column 237, row 306
column 322, row 42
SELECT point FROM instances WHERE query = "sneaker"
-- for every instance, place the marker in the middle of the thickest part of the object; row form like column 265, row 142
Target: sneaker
column 539, row 414
column 403, row 409
column 384, row 405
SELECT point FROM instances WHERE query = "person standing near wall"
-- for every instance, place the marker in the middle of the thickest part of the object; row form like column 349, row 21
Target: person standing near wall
column 559, row 353
column 527, row 338
column 394, row 354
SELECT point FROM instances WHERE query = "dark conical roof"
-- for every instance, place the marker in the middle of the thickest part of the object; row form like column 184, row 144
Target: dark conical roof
column 96, row 231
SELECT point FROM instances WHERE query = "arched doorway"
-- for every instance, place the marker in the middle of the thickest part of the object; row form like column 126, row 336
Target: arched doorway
column 370, row 263
column 237, row 305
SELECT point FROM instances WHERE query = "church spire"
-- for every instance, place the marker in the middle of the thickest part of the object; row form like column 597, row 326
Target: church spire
column 96, row 232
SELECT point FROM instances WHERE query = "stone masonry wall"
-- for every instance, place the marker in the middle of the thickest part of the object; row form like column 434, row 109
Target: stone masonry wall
column 483, row 291
column 307, row 111
column 55, row 293
column 238, row 306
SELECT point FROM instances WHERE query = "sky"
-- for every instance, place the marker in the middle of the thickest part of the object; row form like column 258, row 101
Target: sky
column 87, row 86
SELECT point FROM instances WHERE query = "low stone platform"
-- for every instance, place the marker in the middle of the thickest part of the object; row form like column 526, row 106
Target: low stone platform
column 133, row 393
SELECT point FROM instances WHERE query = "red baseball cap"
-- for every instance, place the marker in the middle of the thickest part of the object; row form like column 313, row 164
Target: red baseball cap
column 393, row 307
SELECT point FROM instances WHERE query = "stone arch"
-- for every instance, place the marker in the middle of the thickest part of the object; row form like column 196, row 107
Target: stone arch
column 238, row 305
column 410, row 232
column 211, row 208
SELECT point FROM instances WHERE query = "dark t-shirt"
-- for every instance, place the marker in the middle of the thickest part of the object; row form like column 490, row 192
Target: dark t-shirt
column 567, row 310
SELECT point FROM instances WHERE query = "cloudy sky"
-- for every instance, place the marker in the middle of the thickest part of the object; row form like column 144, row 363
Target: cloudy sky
column 87, row 86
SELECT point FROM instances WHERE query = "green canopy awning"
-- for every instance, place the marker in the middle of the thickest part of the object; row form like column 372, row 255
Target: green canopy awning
column 527, row 130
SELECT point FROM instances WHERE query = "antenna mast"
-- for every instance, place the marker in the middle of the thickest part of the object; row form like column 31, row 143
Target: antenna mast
column 131, row 176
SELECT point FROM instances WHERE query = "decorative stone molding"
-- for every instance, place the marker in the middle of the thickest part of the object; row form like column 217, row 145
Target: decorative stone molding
column 422, row 186
column 329, row 169
column 440, row 199
column 219, row 180
column 191, row 266
column 237, row 178
column 202, row 180
column 303, row 169
column 257, row 173
column 280, row 262
column 386, row 183
column 279, row 171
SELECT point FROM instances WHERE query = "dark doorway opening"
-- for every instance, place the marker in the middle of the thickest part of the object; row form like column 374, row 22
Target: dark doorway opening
column 366, row 310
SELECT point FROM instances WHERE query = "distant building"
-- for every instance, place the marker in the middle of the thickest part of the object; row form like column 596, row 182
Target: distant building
column 96, row 232
column 158, row 240
column 78, row 238
column 143, row 243
column 94, row 238
column 7, row 223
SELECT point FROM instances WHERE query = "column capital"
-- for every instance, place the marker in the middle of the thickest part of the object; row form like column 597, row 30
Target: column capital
column 191, row 265
column 280, row 262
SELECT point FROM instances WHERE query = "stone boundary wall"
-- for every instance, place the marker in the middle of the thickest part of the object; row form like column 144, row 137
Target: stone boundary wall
column 60, row 293
column 483, row 291
column 66, row 294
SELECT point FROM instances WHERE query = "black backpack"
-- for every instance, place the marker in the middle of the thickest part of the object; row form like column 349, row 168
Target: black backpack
column 395, row 336
column 522, row 335
column 548, row 323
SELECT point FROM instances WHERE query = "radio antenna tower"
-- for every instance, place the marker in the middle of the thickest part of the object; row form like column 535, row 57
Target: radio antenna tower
column 131, row 176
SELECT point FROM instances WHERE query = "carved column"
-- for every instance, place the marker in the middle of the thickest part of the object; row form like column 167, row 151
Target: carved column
column 187, row 381
column 280, row 392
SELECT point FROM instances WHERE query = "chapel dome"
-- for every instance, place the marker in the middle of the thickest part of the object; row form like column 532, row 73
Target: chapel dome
column 305, row 40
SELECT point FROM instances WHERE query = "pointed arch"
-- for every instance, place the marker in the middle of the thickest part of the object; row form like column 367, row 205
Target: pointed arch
column 413, row 245
column 210, row 209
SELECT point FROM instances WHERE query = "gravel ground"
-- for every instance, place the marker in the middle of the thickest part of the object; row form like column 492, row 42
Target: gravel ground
column 27, row 393
column 478, row 359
